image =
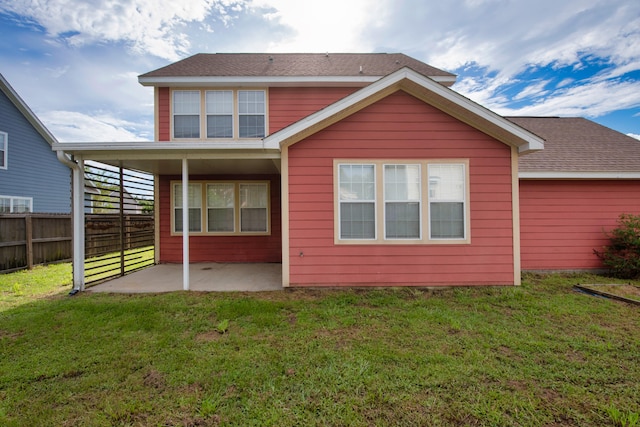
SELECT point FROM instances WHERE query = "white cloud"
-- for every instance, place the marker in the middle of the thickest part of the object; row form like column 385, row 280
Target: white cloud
column 147, row 26
column 326, row 26
column 70, row 126
column 634, row 135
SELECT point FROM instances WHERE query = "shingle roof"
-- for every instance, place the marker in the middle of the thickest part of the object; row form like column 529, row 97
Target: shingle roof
column 294, row 65
column 575, row 144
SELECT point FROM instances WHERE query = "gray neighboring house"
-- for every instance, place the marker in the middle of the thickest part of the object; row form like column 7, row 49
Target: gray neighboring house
column 31, row 177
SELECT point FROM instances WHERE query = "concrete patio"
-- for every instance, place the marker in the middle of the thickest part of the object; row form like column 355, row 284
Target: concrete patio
column 204, row 277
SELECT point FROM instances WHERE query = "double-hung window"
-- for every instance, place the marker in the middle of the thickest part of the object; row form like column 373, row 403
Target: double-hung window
column 186, row 114
column 357, row 200
column 195, row 207
column 231, row 207
column 219, row 105
column 395, row 202
column 251, row 113
column 446, row 201
column 4, row 145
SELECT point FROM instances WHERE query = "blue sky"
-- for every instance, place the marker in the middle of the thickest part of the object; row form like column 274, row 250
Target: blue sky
column 76, row 62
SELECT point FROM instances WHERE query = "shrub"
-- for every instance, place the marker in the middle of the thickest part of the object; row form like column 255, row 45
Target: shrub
column 622, row 255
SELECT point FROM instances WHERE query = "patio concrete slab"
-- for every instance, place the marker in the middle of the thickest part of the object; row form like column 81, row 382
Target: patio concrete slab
column 204, row 277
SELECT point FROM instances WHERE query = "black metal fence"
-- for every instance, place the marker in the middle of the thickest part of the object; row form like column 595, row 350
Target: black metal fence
column 119, row 222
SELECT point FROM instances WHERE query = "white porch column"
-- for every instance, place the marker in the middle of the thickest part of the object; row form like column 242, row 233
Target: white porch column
column 77, row 210
column 185, row 224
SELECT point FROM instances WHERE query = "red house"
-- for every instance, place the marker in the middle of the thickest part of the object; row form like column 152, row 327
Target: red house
column 368, row 170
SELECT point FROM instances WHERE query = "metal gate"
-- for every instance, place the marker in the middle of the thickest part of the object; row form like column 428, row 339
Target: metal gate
column 119, row 222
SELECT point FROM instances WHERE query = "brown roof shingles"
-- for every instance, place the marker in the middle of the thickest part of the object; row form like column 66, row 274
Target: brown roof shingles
column 294, row 65
column 575, row 144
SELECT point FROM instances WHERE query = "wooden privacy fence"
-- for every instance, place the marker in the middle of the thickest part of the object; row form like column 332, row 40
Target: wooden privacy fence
column 32, row 239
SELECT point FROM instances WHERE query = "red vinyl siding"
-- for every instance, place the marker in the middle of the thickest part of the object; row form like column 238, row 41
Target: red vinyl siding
column 288, row 105
column 164, row 114
column 562, row 222
column 221, row 248
column 399, row 127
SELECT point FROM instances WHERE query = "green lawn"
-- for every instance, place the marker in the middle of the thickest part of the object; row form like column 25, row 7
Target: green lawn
column 537, row 355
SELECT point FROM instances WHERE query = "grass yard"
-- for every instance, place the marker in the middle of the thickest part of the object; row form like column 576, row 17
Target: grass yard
column 538, row 355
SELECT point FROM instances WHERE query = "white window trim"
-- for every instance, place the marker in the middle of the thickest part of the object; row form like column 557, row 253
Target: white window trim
column 425, row 225
column 204, row 211
column 174, row 114
column 13, row 199
column 5, row 152
column 203, row 113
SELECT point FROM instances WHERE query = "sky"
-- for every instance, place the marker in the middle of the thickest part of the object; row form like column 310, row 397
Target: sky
column 76, row 62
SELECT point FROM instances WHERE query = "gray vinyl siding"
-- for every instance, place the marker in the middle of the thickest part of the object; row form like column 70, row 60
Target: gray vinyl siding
column 33, row 169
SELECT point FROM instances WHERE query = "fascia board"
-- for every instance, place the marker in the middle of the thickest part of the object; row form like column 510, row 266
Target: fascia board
column 530, row 142
column 271, row 81
column 578, row 175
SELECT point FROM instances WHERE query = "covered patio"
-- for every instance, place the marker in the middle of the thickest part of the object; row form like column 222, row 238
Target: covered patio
column 204, row 277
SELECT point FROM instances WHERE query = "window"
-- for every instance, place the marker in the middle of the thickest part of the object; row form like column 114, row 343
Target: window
column 220, row 207
column 195, row 207
column 395, row 202
column 228, row 114
column 219, row 113
column 186, row 114
column 251, row 106
column 4, row 145
column 357, row 189
column 10, row 204
column 402, row 201
column 253, row 207
column 231, row 207
column 446, row 201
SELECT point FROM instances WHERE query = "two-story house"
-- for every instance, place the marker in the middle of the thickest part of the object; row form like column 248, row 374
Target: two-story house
column 31, row 178
column 359, row 170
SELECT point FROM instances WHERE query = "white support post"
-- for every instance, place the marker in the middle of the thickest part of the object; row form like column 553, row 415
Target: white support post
column 185, row 224
column 78, row 224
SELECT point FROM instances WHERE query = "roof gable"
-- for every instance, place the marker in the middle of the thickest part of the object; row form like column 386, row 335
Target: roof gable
column 19, row 103
column 422, row 88
column 579, row 148
column 281, row 68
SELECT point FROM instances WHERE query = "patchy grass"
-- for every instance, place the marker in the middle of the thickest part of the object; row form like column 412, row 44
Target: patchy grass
column 28, row 285
column 540, row 354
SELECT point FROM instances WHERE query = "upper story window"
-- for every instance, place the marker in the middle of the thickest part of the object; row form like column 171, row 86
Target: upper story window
column 228, row 114
column 186, row 114
column 391, row 202
column 4, row 145
column 11, row 204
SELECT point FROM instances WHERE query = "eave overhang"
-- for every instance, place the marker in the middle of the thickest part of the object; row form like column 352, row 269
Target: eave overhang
column 423, row 88
column 574, row 175
column 272, row 81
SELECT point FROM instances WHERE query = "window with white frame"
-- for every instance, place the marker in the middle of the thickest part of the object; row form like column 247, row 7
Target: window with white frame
column 251, row 113
column 219, row 106
column 231, row 207
column 402, row 202
column 446, row 201
column 12, row 204
column 4, row 149
column 228, row 114
column 195, row 207
column 186, row 114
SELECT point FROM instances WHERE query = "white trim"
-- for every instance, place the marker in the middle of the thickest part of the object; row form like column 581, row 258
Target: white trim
column 579, row 175
column 5, row 151
column 272, row 81
column 439, row 94
column 13, row 199
column 185, row 224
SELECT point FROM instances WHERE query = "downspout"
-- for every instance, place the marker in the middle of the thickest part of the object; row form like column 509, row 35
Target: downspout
column 77, row 215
